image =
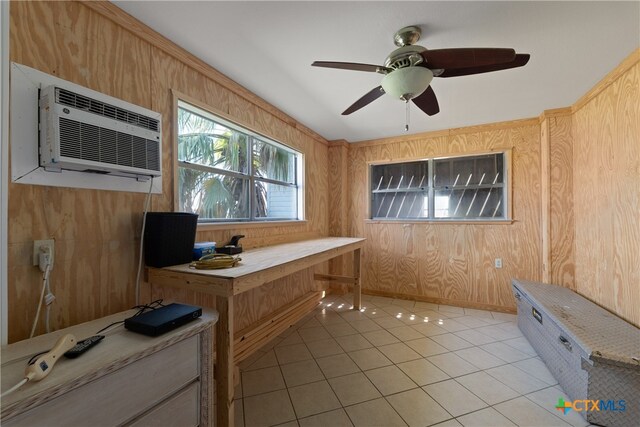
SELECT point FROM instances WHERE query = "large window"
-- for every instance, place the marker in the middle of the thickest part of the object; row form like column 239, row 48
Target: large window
column 227, row 173
column 453, row 188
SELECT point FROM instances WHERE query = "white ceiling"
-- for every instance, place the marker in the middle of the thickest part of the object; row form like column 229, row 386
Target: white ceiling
column 268, row 47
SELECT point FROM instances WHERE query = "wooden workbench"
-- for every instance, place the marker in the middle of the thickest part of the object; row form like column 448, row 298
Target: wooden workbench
column 258, row 266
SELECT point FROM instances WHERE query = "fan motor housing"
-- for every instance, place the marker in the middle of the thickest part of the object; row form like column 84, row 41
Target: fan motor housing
column 406, row 56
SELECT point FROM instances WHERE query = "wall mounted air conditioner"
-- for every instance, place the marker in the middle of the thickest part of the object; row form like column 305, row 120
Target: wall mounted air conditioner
column 90, row 132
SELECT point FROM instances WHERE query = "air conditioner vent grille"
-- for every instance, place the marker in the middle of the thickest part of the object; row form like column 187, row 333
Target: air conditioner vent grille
column 89, row 142
column 72, row 99
column 153, row 155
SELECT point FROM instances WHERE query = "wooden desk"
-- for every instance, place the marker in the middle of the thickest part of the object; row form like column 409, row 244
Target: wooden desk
column 258, row 266
column 127, row 379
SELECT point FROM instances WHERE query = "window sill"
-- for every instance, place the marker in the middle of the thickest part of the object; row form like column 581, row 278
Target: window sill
column 441, row 221
column 247, row 224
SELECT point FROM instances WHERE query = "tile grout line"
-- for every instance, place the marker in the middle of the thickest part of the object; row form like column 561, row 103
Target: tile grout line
column 394, row 364
column 368, row 379
column 418, row 387
column 323, row 375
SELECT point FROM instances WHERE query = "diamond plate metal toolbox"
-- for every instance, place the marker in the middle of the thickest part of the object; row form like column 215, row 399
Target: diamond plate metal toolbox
column 593, row 354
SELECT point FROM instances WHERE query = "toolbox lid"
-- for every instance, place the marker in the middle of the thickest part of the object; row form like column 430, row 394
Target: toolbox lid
column 606, row 337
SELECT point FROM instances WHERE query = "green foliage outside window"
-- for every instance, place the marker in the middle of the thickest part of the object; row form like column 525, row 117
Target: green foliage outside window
column 227, row 174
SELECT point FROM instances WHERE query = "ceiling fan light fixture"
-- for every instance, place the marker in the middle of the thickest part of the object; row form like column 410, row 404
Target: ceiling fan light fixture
column 407, row 83
column 409, row 70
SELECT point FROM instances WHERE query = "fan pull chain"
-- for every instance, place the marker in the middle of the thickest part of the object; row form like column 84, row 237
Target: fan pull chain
column 406, row 126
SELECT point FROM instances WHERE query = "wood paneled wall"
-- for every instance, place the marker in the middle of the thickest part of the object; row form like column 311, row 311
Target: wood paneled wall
column 452, row 263
column 557, row 228
column 575, row 177
column 338, row 220
column 606, row 188
column 576, row 206
column 338, row 164
column 561, row 224
column 97, row 232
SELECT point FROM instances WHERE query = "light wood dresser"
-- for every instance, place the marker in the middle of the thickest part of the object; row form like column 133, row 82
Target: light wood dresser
column 126, row 379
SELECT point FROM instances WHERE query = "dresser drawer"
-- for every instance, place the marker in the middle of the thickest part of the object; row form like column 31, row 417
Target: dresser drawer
column 123, row 394
column 181, row 410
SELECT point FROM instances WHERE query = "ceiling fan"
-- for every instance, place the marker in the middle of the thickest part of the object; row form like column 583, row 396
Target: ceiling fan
column 408, row 70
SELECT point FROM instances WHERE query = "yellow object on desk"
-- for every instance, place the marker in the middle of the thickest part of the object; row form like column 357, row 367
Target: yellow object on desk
column 215, row 261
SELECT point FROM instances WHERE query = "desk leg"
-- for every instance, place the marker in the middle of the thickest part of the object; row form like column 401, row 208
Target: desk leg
column 357, row 287
column 224, row 362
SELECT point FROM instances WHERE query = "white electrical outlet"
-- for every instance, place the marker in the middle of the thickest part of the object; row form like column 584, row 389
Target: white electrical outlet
column 498, row 262
column 50, row 244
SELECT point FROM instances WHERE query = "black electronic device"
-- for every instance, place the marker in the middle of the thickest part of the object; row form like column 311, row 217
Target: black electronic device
column 83, row 346
column 164, row 319
column 233, row 247
column 169, row 238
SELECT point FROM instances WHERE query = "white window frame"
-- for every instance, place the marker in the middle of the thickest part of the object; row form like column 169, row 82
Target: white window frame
column 250, row 175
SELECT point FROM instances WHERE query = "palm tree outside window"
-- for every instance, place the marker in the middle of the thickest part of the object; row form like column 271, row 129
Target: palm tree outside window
column 227, row 173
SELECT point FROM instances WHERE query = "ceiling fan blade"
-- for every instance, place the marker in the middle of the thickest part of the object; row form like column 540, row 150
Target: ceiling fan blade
column 427, row 102
column 352, row 66
column 466, row 57
column 367, row 99
column 521, row 59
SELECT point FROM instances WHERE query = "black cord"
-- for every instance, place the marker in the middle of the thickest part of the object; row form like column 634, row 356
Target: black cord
column 151, row 306
column 107, row 327
column 35, row 356
column 141, row 309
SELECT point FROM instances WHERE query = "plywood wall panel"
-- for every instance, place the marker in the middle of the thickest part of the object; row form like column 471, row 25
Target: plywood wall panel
column 242, row 109
column 561, row 227
column 266, row 123
column 594, row 167
column 606, row 186
column 172, row 76
column 338, row 154
column 545, row 199
column 88, row 276
column 76, row 44
column 90, row 227
column 451, row 262
column 338, row 161
column 97, row 232
column 586, row 238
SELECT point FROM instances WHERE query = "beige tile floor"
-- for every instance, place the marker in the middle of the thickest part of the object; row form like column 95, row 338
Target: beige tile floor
column 399, row 363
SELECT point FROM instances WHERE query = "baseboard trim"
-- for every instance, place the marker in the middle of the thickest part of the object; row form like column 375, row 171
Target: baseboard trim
column 445, row 301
